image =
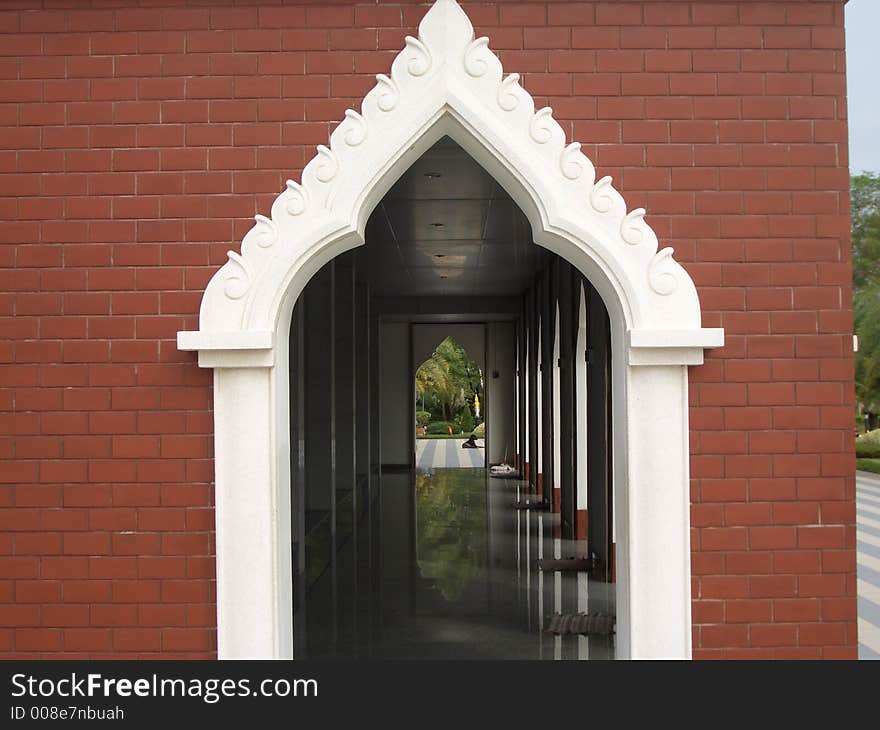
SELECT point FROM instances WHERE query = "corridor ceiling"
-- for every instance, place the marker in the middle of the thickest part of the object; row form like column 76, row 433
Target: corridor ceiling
column 447, row 228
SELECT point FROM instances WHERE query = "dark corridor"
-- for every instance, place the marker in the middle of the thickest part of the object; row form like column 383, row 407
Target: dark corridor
column 391, row 562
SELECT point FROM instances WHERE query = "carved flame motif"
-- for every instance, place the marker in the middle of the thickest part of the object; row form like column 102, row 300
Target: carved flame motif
column 357, row 128
column 569, row 161
column 600, row 195
column 297, row 198
column 631, row 229
column 473, row 63
column 238, row 283
column 662, row 274
column 328, row 168
column 507, row 98
column 539, row 128
column 420, row 60
column 390, row 93
column 266, row 232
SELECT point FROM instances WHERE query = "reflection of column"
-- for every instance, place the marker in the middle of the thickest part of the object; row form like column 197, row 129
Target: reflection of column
column 540, row 576
column 557, row 594
column 583, row 606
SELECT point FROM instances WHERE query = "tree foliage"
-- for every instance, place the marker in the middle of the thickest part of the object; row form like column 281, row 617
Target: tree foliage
column 447, row 382
column 865, row 204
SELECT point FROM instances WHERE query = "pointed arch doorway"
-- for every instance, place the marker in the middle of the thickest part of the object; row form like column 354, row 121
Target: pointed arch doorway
column 446, row 83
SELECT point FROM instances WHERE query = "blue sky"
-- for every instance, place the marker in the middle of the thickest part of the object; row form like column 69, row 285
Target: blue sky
column 863, row 84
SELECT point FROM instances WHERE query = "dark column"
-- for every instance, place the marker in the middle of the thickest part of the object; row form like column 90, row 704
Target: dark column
column 521, row 375
column 363, row 521
column 320, row 502
column 598, row 420
column 298, row 476
column 532, row 375
column 346, row 495
column 547, row 300
column 548, row 321
column 375, row 486
column 566, row 479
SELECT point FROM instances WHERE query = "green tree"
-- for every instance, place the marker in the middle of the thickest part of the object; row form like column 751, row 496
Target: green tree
column 865, row 205
column 450, row 378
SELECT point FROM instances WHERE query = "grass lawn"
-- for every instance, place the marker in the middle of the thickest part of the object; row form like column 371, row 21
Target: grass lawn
column 872, row 465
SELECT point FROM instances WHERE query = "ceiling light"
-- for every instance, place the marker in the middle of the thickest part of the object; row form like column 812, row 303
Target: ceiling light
column 433, row 175
column 436, row 225
column 439, row 255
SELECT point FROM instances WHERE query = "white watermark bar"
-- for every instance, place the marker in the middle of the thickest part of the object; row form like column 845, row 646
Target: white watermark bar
column 448, row 694
column 209, row 690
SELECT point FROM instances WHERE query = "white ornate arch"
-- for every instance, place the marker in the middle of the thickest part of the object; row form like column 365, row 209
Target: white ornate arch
column 447, row 83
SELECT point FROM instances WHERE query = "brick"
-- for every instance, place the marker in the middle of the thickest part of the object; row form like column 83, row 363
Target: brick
column 625, row 13
column 748, row 611
column 832, row 536
column 839, row 609
column 552, row 38
column 772, row 635
column 726, row 636
column 772, row 586
column 712, row 538
column 824, row 634
column 87, row 639
column 187, row 639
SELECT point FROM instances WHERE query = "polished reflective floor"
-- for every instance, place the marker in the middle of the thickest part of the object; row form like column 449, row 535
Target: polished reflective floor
column 440, row 565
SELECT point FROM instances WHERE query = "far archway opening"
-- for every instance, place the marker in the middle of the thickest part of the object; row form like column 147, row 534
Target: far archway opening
column 398, row 552
column 449, row 409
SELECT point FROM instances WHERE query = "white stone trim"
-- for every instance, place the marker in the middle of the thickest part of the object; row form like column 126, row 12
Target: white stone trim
column 447, row 83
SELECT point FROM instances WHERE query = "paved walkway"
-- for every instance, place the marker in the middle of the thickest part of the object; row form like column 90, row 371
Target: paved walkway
column 448, row 454
column 868, row 546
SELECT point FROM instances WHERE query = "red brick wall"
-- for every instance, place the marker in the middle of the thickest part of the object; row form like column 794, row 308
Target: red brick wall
column 137, row 142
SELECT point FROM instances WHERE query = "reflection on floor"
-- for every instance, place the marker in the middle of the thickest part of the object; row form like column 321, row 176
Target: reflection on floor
column 448, row 454
column 446, row 568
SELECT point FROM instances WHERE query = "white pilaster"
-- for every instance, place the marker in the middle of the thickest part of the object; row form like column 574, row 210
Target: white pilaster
column 249, row 590
column 653, row 537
